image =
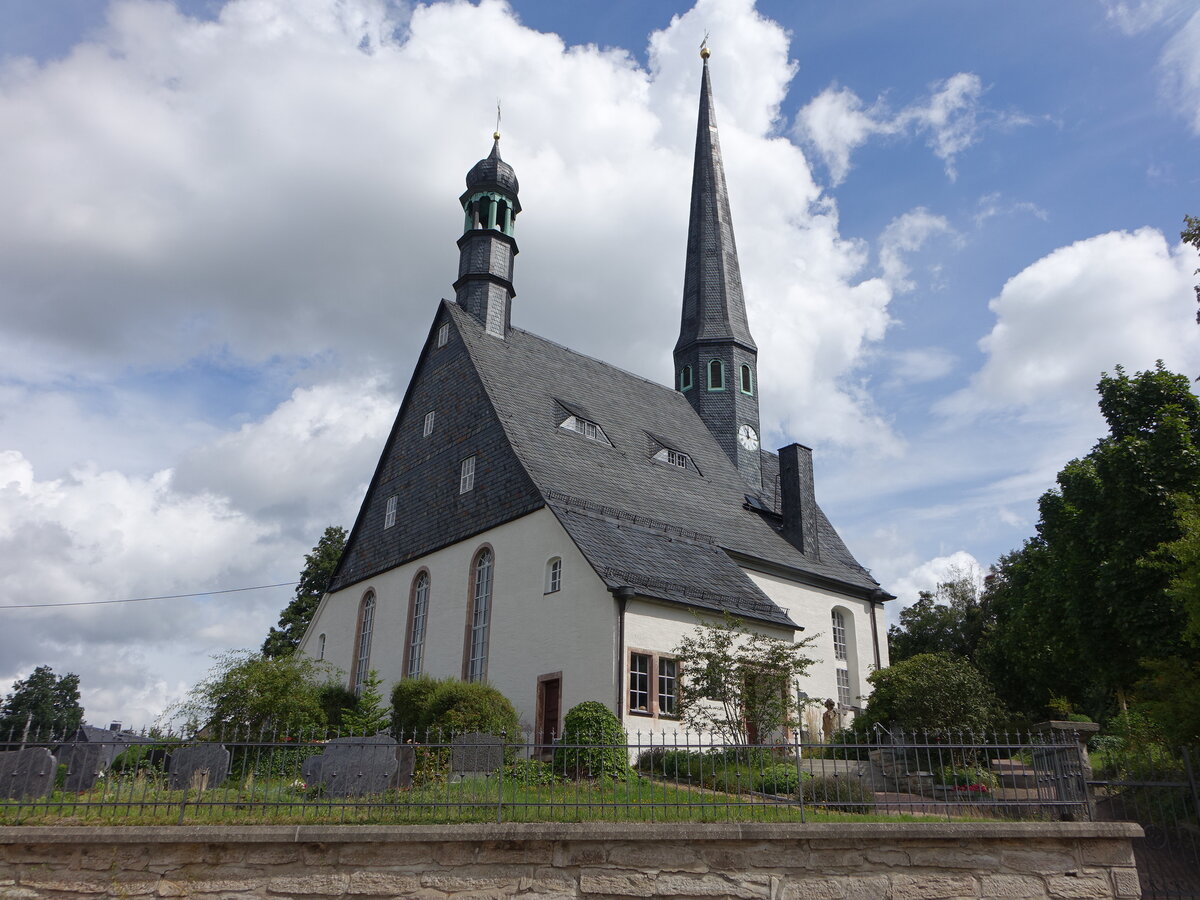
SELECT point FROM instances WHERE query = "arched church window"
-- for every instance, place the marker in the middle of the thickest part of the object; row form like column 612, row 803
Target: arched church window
column 479, row 623
column 362, row 654
column 685, row 378
column 839, row 635
column 554, row 575
column 418, row 614
column 747, row 380
column 716, row 375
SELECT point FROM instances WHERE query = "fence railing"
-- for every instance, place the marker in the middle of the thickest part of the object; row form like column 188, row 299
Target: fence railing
column 235, row 776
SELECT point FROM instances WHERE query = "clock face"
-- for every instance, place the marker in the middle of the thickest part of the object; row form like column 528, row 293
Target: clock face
column 747, row 437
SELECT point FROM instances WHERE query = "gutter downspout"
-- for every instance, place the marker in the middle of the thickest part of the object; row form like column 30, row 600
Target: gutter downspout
column 875, row 604
column 622, row 595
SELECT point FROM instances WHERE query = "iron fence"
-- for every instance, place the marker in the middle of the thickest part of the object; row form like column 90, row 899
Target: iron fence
column 233, row 776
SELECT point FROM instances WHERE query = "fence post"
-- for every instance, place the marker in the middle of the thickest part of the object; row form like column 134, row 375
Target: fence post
column 500, row 780
column 1191, row 775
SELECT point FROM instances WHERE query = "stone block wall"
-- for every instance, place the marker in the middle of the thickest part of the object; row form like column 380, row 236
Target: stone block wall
column 890, row 861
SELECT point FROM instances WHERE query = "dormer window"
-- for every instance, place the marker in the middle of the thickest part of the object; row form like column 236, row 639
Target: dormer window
column 674, row 458
column 589, row 430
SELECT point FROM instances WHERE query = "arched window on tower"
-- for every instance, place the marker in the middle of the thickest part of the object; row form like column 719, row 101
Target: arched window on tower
column 716, row 375
column 362, row 650
column 480, row 619
column 685, row 378
column 747, row 380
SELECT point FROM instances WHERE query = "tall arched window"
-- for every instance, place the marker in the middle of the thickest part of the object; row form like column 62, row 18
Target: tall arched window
column 418, row 613
column 362, row 655
column 716, row 375
column 685, row 378
column 747, row 380
column 481, row 616
column 839, row 635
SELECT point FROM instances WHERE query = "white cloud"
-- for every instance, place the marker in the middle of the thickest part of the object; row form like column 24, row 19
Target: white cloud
column 921, row 365
column 929, row 574
column 1136, row 16
column 993, row 204
column 836, row 122
column 904, row 235
column 1181, row 70
column 1121, row 298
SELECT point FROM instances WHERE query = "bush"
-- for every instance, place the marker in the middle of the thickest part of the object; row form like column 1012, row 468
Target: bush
column 594, row 743
column 967, row 778
column 837, row 794
column 449, row 706
column 932, row 692
column 781, row 778
column 333, row 696
column 529, row 772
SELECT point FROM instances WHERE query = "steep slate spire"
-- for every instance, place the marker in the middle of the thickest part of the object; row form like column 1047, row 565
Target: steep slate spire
column 487, row 247
column 716, row 359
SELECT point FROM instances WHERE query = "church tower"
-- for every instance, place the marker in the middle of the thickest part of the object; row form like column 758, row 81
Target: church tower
column 487, row 247
column 716, row 359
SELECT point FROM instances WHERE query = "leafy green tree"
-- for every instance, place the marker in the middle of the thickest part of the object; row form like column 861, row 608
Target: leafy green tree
column 1080, row 607
column 49, row 703
column 1191, row 235
column 314, row 580
column 430, row 706
column 257, row 694
column 367, row 715
column 950, row 619
column 737, row 682
column 931, row 692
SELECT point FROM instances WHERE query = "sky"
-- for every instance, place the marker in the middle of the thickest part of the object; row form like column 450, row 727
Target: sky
column 227, row 225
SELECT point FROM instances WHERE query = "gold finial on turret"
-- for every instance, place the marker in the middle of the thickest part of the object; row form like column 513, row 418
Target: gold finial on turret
column 496, row 133
column 705, row 53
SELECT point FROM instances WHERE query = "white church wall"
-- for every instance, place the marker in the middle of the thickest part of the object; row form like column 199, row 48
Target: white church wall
column 812, row 608
column 532, row 633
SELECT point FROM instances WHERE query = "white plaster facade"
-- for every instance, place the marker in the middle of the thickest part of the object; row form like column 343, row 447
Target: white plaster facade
column 574, row 633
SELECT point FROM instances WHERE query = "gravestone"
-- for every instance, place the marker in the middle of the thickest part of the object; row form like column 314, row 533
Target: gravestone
column 406, row 765
column 85, row 763
column 27, row 774
column 199, row 767
column 475, row 753
column 355, row 766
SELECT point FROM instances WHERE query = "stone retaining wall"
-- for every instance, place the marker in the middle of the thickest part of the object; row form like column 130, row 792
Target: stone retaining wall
column 889, row 861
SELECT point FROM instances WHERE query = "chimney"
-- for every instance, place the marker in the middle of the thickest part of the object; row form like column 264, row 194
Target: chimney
column 114, row 727
column 798, row 500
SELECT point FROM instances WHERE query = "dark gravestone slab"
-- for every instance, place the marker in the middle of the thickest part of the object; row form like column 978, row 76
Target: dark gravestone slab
column 406, row 765
column 475, row 753
column 310, row 770
column 355, row 766
column 27, row 774
column 199, row 768
column 85, row 763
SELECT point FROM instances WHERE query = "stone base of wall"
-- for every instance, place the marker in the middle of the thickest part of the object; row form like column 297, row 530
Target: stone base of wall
column 892, row 861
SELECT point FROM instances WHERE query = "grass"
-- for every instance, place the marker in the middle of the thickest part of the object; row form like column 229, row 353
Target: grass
column 145, row 800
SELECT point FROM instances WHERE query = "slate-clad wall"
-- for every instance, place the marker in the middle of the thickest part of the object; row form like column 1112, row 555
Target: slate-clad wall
column 424, row 471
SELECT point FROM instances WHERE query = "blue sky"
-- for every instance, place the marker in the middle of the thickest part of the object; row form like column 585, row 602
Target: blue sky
column 231, row 221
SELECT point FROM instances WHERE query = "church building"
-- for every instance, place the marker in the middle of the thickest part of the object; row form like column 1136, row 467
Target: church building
column 552, row 525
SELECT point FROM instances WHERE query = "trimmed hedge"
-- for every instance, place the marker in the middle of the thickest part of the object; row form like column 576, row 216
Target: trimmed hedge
column 593, row 743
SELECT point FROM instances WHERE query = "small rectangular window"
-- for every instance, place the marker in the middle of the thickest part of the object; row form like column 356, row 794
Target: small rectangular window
column 674, row 458
column 667, row 694
column 589, row 430
column 466, row 475
column 639, row 683
column 443, row 335
column 843, row 687
column 389, row 516
column 554, row 576
column 428, row 429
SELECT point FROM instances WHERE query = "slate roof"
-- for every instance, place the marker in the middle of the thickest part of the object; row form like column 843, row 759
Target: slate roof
column 665, row 531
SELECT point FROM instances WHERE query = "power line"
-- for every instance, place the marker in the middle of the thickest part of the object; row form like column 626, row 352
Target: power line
column 257, row 587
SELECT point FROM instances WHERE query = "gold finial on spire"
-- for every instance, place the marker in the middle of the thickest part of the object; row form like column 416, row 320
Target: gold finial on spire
column 496, row 133
column 705, row 53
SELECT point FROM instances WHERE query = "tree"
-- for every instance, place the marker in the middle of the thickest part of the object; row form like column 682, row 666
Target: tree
column 738, row 682
column 1191, row 235
column 1080, row 607
column 48, row 703
column 368, row 715
column 314, row 581
column 258, row 694
column 931, row 692
column 951, row 619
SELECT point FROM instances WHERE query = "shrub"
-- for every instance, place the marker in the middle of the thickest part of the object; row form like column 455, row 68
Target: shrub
column 456, row 707
column 410, row 705
column 837, row 794
column 931, row 692
column 529, row 772
column 593, row 743
column 968, row 779
column 333, row 696
column 781, row 778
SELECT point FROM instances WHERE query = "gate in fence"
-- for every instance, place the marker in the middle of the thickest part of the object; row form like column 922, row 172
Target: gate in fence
column 1161, row 792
